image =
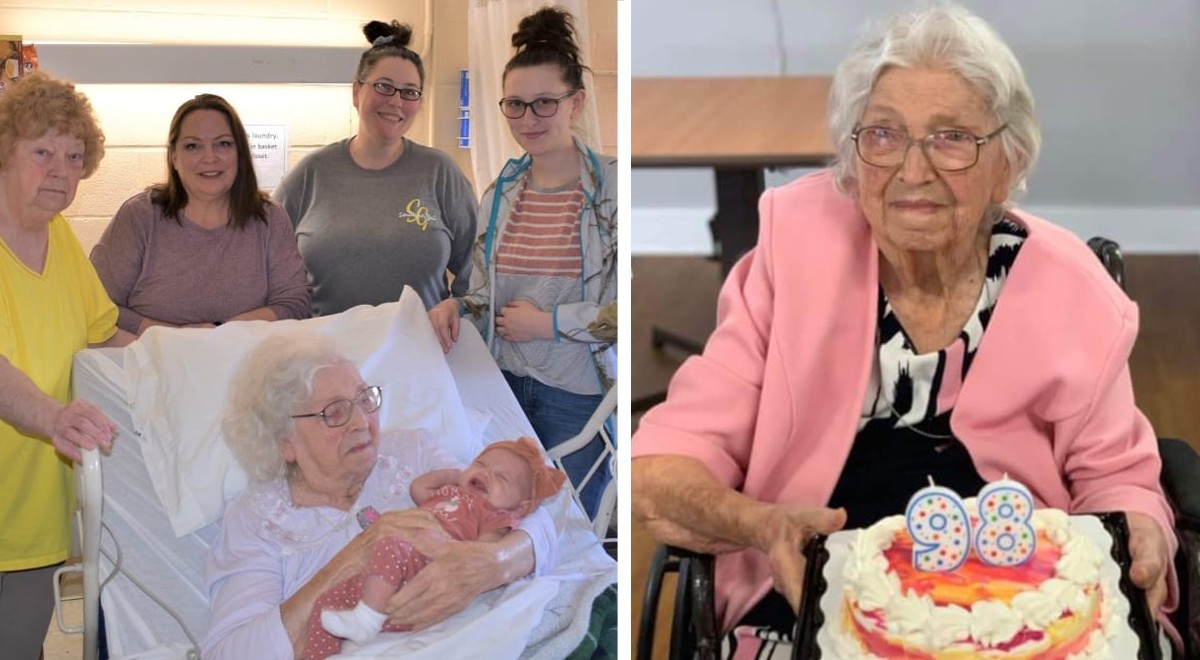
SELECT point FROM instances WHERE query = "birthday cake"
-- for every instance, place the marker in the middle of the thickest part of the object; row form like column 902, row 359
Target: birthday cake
column 955, row 594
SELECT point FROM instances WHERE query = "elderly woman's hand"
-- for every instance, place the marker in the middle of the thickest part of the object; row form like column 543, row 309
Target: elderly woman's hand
column 457, row 573
column 408, row 524
column 1148, row 550
column 788, row 527
column 405, row 522
column 445, row 318
column 81, row 425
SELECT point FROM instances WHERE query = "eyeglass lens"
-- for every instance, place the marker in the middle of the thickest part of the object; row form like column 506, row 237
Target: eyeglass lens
column 388, row 89
column 515, row 108
column 339, row 412
column 946, row 150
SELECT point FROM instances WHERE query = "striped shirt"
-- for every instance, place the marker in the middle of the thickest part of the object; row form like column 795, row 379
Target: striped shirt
column 542, row 234
column 538, row 259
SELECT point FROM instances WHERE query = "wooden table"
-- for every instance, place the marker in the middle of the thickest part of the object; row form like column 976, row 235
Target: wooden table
column 736, row 126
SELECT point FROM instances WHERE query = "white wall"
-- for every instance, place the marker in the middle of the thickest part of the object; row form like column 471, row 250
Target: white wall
column 1117, row 86
column 135, row 117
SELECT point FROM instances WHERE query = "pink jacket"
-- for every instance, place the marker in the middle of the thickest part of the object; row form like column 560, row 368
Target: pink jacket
column 772, row 405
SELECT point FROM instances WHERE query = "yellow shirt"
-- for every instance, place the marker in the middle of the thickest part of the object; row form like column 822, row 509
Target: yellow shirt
column 44, row 319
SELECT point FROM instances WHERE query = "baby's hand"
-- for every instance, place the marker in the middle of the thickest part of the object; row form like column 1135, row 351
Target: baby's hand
column 424, row 486
column 366, row 516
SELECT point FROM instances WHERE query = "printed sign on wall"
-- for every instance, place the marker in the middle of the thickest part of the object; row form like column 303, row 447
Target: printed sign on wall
column 268, row 146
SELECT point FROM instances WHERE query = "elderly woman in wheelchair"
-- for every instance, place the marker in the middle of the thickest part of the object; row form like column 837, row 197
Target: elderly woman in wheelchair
column 901, row 319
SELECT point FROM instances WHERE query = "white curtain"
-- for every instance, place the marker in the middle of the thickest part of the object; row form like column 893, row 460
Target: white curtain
column 490, row 25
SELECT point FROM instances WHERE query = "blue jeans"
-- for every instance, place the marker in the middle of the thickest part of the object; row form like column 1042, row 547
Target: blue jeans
column 557, row 416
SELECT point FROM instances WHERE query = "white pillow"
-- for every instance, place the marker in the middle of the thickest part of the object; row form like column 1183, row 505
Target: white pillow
column 179, row 382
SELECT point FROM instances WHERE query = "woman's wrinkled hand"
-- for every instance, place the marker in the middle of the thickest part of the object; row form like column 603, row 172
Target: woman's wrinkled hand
column 1150, row 556
column 457, row 573
column 407, row 524
column 80, row 425
column 521, row 320
column 445, row 319
column 788, row 529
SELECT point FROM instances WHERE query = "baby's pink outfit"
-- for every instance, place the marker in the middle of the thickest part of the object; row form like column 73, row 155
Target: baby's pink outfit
column 465, row 517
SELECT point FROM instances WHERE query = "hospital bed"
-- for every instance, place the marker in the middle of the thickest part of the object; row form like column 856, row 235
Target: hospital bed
column 165, row 392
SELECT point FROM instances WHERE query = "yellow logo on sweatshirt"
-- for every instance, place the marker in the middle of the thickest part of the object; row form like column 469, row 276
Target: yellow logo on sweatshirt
column 417, row 214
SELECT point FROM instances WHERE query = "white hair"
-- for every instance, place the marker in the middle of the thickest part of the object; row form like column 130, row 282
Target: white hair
column 273, row 378
column 946, row 36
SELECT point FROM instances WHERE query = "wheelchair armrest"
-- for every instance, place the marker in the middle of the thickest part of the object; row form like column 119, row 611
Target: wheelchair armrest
column 694, row 630
column 1181, row 479
column 1181, row 482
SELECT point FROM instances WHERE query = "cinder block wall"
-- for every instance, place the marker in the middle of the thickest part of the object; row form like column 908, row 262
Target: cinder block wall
column 136, row 117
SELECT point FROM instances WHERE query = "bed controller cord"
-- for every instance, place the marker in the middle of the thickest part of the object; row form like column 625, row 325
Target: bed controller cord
column 194, row 652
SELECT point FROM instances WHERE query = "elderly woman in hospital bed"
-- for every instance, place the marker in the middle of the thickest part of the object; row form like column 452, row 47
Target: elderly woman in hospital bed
column 303, row 424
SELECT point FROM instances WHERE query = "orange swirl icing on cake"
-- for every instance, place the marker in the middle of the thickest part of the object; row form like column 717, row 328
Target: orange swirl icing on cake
column 973, row 581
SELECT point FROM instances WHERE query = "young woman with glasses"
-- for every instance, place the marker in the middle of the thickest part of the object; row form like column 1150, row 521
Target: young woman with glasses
column 543, row 286
column 376, row 211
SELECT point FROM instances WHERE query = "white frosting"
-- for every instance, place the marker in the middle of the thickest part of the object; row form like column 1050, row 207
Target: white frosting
column 950, row 624
column 1080, row 562
column 1067, row 595
column 867, row 577
column 848, row 648
column 911, row 617
column 1037, row 609
column 1056, row 523
column 994, row 623
column 1096, row 649
column 917, row 620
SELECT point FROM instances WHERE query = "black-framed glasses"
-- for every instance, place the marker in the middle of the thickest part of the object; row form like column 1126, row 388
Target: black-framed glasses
column 547, row 107
column 388, row 89
column 948, row 151
column 338, row 413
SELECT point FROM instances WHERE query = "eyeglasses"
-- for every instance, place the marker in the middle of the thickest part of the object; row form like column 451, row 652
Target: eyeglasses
column 338, row 413
column 515, row 108
column 947, row 151
column 388, row 89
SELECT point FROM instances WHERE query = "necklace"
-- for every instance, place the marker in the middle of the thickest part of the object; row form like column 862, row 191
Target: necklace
column 986, row 300
column 910, row 426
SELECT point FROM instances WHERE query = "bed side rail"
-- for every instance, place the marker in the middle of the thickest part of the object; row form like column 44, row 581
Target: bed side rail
column 89, row 490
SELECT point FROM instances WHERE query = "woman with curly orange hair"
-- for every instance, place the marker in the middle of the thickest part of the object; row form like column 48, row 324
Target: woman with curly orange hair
column 51, row 305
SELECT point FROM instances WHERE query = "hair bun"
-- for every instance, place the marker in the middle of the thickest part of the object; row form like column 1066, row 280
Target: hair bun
column 548, row 27
column 394, row 33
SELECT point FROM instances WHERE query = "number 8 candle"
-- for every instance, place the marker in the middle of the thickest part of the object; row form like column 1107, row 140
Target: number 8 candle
column 1005, row 537
column 941, row 531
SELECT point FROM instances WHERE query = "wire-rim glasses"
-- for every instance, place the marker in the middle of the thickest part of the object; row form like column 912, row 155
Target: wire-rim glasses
column 338, row 413
column 545, row 107
column 951, row 150
column 388, row 89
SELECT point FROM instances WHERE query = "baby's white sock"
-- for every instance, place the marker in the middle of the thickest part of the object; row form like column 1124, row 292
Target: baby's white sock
column 359, row 625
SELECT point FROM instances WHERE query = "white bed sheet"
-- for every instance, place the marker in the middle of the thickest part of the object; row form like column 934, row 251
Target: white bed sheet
column 173, row 568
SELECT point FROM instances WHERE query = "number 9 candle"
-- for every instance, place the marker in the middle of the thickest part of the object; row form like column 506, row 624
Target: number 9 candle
column 941, row 531
column 1005, row 537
